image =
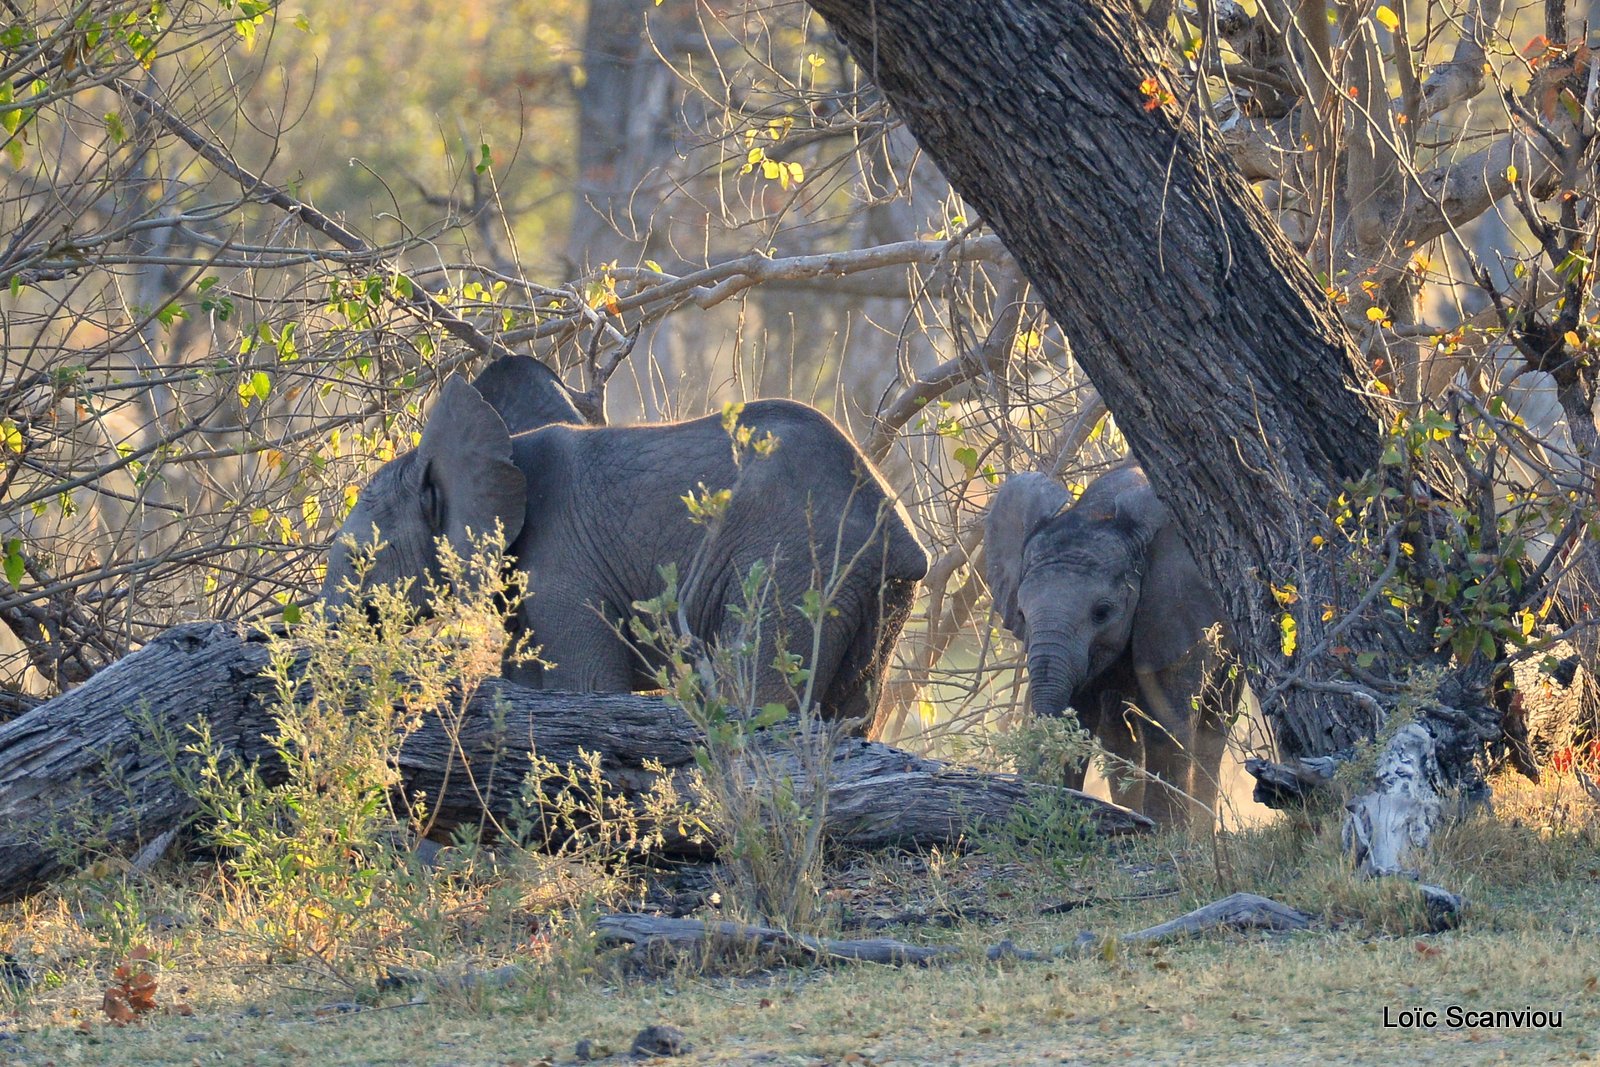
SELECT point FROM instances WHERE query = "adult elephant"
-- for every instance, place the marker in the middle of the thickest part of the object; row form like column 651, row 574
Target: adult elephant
column 1120, row 627
column 592, row 514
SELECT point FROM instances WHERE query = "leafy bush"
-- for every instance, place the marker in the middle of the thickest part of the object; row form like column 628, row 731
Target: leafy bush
column 328, row 862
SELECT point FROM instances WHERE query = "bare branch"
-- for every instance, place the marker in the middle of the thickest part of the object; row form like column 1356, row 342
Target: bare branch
column 986, row 361
column 1461, row 77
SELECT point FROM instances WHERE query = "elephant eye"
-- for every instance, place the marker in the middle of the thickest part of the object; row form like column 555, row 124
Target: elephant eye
column 1102, row 612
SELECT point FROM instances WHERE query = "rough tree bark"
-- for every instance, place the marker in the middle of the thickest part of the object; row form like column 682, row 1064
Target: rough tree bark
column 87, row 767
column 1225, row 365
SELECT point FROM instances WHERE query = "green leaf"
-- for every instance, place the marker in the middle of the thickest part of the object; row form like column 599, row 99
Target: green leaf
column 10, row 436
column 769, row 715
column 483, row 159
column 15, row 569
column 256, row 387
column 967, row 456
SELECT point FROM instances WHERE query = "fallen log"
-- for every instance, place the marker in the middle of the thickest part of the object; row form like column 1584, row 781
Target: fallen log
column 88, row 765
column 1238, row 911
column 1295, row 784
column 650, row 931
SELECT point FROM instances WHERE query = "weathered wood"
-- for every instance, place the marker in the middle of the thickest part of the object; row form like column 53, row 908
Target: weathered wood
column 1239, row 911
column 1553, row 714
column 1387, row 826
column 650, row 931
column 89, row 762
column 1293, row 783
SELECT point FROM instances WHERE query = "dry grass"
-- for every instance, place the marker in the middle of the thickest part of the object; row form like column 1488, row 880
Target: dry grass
column 1532, row 873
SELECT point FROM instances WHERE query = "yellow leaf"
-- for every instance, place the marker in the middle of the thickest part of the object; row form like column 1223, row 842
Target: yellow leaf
column 259, row 517
column 1511, row 173
column 1376, row 314
column 1390, row 20
column 1287, row 625
column 10, row 436
column 1572, row 339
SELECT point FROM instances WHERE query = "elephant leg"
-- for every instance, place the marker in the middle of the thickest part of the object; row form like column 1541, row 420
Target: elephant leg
column 854, row 693
column 1183, row 741
column 578, row 649
column 1217, row 708
column 1170, row 756
column 1210, row 742
column 1123, row 735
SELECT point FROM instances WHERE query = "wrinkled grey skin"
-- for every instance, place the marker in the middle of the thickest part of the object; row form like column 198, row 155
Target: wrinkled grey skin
column 592, row 513
column 1114, row 614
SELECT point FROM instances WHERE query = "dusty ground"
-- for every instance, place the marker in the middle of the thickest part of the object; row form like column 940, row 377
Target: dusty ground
column 1319, row 996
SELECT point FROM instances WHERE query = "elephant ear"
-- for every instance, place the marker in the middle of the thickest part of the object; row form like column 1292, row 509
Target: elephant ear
column 465, row 459
column 1023, row 504
column 1134, row 502
column 1176, row 605
column 525, row 393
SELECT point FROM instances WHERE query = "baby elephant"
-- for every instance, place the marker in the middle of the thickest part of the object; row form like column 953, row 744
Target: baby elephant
column 1118, row 625
column 592, row 514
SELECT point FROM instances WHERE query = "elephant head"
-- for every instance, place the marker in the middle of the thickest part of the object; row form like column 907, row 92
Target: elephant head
column 526, row 394
column 457, row 482
column 1082, row 586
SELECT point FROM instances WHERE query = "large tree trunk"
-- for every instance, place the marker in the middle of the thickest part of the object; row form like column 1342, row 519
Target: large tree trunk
column 88, row 767
column 1206, row 335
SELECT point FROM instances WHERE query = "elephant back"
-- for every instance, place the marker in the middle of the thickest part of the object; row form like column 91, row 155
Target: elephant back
column 816, row 462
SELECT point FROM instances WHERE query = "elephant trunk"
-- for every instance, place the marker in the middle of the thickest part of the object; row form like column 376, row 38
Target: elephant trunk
column 336, row 585
column 1057, row 667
